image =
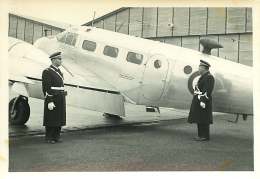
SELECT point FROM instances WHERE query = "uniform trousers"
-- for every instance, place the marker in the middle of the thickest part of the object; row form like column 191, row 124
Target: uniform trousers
column 203, row 130
column 52, row 133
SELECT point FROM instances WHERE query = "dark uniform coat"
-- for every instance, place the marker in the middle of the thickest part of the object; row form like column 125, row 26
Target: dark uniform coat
column 197, row 113
column 52, row 86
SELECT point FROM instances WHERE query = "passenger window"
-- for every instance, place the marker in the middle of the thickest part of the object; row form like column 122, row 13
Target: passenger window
column 110, row 51
column 71, row 39
column 89, row 45
column 73, row 42
column 134, row 58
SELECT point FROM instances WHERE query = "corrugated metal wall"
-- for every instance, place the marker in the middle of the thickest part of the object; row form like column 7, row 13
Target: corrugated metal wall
column 136, row 21
column 216, row 21
column 29, row 30
column 231, row 26
column 165, row 19
column 149, row 22
column 154, row 22
column 122, row 20
column 237, row 47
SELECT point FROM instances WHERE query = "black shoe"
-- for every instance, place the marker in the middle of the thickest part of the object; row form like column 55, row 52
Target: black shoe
column 197, row 138
column 53, row 141
column 202, row 139
column 59, row 140
column 47, row 141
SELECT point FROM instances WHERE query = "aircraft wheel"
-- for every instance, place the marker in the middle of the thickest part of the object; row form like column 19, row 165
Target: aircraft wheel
column 111, row 116
column 20, row 113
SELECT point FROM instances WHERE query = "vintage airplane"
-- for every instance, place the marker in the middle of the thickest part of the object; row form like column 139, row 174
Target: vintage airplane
column 104, row 69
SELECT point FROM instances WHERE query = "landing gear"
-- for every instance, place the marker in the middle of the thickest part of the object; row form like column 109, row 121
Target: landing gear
column 19, row 111
column 111, row 116
column 245, row 117
column 237, row 116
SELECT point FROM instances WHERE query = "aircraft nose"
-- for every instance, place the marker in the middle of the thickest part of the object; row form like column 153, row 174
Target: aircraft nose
column 47, row 45
column 41, row 42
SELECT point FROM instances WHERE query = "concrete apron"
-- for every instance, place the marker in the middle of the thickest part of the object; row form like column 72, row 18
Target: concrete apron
column 80, row 119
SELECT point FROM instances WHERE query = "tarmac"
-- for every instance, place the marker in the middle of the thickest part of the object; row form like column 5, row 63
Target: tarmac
column 141, row 141
column 167, row 145
column 79, row 119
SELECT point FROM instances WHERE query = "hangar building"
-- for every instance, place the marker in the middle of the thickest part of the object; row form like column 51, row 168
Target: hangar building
column 30, row 29
column 182, row 26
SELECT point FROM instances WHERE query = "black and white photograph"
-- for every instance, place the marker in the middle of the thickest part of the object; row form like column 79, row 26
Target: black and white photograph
column 96, row 87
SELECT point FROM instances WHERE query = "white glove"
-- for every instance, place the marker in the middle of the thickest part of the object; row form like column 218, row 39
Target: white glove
column 197, row 90
column 203, row 105
column 51, row 106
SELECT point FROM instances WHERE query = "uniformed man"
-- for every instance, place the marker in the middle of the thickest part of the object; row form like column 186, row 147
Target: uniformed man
column 54, row 104
column 201, row 106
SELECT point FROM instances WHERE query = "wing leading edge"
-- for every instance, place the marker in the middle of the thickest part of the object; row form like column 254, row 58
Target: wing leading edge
column 86, row 90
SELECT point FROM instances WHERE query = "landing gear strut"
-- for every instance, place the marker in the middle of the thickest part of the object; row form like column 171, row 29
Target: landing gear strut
column 111, row 116
column 19, row 111
column 237, row 116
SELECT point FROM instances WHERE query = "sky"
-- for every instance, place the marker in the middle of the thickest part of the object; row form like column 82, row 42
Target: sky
column 76, row 12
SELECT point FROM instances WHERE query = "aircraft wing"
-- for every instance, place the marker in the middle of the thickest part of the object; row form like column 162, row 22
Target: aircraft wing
column 18, row 84
column 87, row 90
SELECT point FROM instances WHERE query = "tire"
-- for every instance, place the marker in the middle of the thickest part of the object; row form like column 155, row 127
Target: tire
column 21, row 111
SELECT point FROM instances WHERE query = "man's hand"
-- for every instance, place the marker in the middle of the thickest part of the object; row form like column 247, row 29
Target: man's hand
column 197, row 91
column 51, row 106
column 203, row 105
column 65, row 93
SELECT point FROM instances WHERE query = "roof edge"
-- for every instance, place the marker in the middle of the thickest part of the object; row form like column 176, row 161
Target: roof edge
column 56, row 24
column 105, row 16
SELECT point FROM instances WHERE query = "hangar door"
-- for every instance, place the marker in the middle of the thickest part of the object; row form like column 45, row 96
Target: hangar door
column 154, row 77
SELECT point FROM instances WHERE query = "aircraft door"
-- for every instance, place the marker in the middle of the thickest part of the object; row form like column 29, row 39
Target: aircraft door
column 154, row 77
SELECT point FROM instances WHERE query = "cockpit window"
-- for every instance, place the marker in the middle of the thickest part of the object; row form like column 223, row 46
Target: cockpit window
column 110, row 51
column 61, row 37
column 68, row 38
column 135, row 58
column 71, row 38
column 74, row 40
column 89, row 45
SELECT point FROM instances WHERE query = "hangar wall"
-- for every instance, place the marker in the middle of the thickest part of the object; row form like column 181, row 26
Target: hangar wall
column 182, row 26
column 231, row 26
column 30, row 30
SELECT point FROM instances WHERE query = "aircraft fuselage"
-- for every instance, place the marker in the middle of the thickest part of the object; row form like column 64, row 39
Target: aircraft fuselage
column 164, row 76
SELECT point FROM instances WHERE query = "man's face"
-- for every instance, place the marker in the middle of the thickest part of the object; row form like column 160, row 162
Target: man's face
column 202, row 69
column 57, row 62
